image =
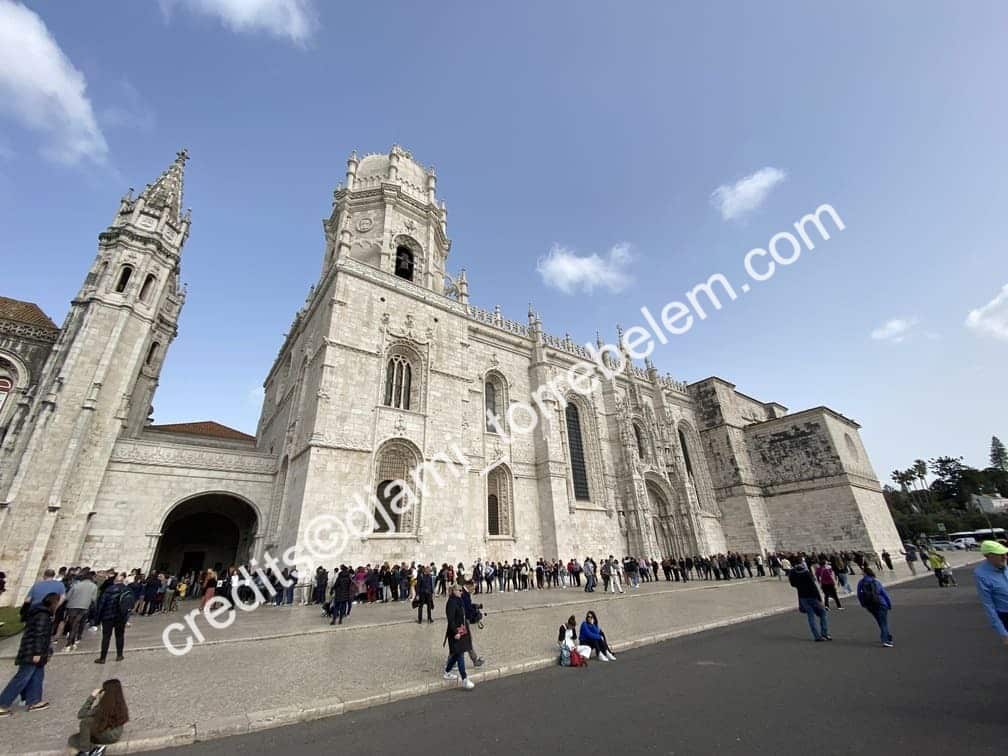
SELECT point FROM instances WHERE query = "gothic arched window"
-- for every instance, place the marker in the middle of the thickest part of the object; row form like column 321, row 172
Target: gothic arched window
column 398, row 382
column 575, row 443
column 6, row 388
column 394, row 498
column 147, row 288
column 640, row 440
column 152, row 353
column 499, row 502
column 494, row 402
column 124, row 279
column 404, row 262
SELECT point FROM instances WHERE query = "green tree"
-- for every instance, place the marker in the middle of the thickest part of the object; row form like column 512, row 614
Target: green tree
column 998, row 455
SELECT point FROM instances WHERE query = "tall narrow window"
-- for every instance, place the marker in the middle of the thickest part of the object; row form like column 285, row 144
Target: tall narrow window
column 640, row 440
column 404, row 263
column 499, row 501
column 579, row 472
column 124, row 278
column 148, row 287
column 152, row 352
column 490, row 399
column 685, row 453
column 398, row 382
column 386, row 511
column 6, row 388
column 493, row 515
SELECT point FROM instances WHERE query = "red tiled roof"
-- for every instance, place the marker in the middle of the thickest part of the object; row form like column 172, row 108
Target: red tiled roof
column 204, row 428
column 24, row 312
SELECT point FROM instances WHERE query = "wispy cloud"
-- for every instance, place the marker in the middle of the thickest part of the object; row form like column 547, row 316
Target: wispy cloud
column 991, row 318
column 567, row 271
column 745, row 195
column 293, row 20
column 41, row 89
column 894, row 330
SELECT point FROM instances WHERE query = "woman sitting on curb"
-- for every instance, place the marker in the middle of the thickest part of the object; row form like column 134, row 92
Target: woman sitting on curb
column 591, row 635
column 101, row 719
column 568, row 639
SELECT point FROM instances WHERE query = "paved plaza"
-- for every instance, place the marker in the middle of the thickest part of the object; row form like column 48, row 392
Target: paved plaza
column 275, row 666
column 758, row 688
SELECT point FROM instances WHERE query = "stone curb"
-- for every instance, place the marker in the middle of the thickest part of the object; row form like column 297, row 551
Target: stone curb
column 241, row 724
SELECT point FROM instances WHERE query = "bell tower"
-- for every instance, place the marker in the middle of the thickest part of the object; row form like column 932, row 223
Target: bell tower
column 99, row 379
column 387, row 214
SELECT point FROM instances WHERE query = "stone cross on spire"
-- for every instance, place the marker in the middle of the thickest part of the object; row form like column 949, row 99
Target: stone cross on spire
column 166, row 191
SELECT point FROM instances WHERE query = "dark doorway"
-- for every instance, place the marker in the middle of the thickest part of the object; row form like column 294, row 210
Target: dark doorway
column 210, row 530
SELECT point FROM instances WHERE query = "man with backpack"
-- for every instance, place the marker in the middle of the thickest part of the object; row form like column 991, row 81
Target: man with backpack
column 873, row 597
column 113, row 612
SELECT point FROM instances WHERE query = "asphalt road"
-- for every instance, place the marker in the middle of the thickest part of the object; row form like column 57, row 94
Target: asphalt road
column 759, row 687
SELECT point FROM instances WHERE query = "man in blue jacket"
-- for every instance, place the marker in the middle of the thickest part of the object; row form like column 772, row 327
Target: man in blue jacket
column 873, row 597
column 992, row 586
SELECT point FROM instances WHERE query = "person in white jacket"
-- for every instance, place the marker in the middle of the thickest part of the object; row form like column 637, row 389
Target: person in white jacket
column 617, row 574
column 569, row 638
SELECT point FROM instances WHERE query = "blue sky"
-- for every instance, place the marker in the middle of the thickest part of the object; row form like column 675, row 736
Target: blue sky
column 581, row 128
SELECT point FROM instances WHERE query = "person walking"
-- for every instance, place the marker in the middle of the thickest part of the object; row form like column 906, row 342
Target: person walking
column 342, row 596
column 991, row 578
column 873, row 597
column 887, row 558
column 113, row 613
column 33, row 653
column 457, row 637
column 83, row 594
column 827, row 581
column 473, row 616
column 809, row 601
column 910, row 552
column 425, row 595
column 100, row 720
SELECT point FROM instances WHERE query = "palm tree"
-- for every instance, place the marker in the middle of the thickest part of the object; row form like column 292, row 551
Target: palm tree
column 919, row 471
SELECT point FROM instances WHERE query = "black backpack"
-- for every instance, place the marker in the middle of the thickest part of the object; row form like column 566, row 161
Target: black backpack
column 124, row 604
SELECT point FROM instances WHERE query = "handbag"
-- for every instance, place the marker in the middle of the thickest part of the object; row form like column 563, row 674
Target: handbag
column 416, row 603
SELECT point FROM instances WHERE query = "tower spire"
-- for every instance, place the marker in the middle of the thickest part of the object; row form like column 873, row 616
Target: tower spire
column 166, row 191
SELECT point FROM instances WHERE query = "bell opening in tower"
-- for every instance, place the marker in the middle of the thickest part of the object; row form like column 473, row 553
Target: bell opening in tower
column 404, row 263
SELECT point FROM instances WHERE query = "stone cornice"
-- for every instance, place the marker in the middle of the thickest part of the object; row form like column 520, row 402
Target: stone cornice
column 30, row 332
column 198, row 457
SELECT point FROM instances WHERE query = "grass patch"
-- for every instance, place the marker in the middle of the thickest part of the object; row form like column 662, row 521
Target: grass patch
column 12, row 625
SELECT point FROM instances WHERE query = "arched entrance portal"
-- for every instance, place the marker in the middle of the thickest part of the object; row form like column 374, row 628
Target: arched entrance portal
column 213, row 530
column 670, row 533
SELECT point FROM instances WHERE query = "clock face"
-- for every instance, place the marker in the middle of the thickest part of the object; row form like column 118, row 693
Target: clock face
column 364, row 225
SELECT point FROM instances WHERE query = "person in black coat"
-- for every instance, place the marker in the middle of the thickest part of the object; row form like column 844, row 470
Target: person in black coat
column 457, row 637
column 810, row 601
column 425, row 595
column 112, row 614
column 342, row 594
column 33, row 653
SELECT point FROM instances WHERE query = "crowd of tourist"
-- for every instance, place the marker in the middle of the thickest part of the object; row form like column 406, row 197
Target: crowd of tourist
column 65, row 605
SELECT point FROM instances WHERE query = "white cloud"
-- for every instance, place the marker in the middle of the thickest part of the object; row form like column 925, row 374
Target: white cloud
column 294, row 20
column 991, row 318
column 40, row 88
column 745, row 195
column 894, row 330
column 563, row 269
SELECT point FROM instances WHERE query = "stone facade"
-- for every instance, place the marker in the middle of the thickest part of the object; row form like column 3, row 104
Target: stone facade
column 388, row 372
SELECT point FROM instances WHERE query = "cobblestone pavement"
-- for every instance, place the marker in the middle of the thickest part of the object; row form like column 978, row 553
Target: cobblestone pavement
column 275, row 666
